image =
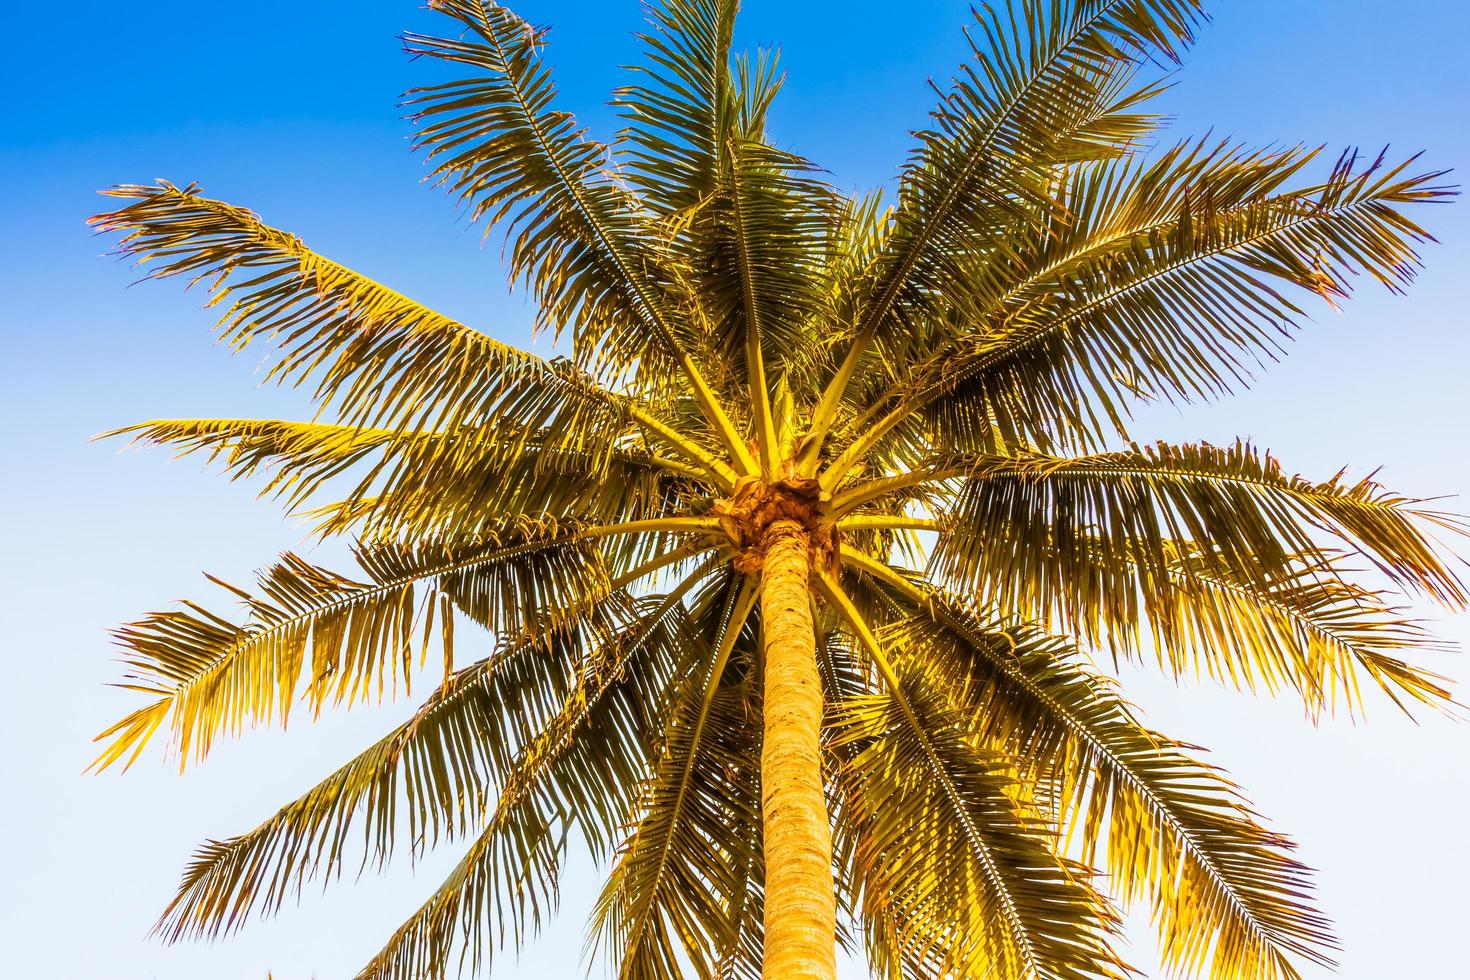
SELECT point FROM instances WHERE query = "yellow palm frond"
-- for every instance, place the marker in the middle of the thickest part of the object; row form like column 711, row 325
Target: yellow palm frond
column 459, row 480
column 1225, row 892
column 1051, row 86
column 577, row 237
column 1187, row 309
column 1017, row 517
column 968, row 872
column 578, row 771
column 208, row 675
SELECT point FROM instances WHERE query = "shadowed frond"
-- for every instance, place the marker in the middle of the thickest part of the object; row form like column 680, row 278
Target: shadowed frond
column 1184, row 310
column 429, row 770
column 579, row 773
column 945, row 840
column 499, row 146
column 1225, row 893
column 1101, row 213
column 1106, row 209
column 427, row 780
column 1018, row 520
column 669, row 898
column 768, row 233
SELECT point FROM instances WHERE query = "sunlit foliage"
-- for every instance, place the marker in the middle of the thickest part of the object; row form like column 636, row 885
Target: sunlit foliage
column 943, row 380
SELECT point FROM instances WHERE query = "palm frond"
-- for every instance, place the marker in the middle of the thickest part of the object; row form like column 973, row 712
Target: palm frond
column 668, row 900
column 432, row 482
column 1101, row 212
column 430, row 770
column 1187, row 310
column 579, row 773
column 768, row 236
column 846, row 678
column 683, row 107
column 1311, row 628
column 1019, row 520
column 1107, row 207
column 1307, row 628
column 943, row 839
column 526, row 475
column 208, row 675
column 1050, row 86
column 1225, row 892
column 577, row 236
column 380, row 359
column 297, row 456
column 747, row 221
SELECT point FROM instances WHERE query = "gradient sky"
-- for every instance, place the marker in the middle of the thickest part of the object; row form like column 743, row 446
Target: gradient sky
column 289, row 108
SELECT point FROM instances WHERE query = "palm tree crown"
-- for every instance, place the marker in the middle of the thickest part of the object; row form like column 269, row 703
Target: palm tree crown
column 796, row 567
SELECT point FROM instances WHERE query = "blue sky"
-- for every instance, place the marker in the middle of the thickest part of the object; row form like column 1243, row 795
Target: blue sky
column 289, row 108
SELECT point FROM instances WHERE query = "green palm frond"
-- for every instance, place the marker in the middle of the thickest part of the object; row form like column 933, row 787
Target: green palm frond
column 744, row 935
column 846, row 678
column 429, row 492
column 771, row 232
column 1103, row 213
column 430, row 769
column 297, row 456
column 1110, row 207
column 508, row 881
column 426, row 781
column 496, row 142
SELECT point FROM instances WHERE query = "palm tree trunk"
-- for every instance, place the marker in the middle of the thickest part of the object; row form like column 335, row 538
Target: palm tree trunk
column 801, row 906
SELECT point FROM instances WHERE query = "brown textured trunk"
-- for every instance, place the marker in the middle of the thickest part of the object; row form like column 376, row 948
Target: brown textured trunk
column 801, row 906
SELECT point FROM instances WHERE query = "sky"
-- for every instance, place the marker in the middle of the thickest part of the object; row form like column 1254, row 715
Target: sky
column 289, row 108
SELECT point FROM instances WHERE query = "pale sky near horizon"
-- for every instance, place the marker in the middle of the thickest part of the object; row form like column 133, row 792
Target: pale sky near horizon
column 290, row 109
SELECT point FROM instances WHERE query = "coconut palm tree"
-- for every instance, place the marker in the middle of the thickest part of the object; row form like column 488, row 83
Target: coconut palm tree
column 799, row 565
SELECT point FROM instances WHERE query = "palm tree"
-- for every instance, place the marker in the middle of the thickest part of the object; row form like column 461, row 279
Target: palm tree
column 798, row 565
